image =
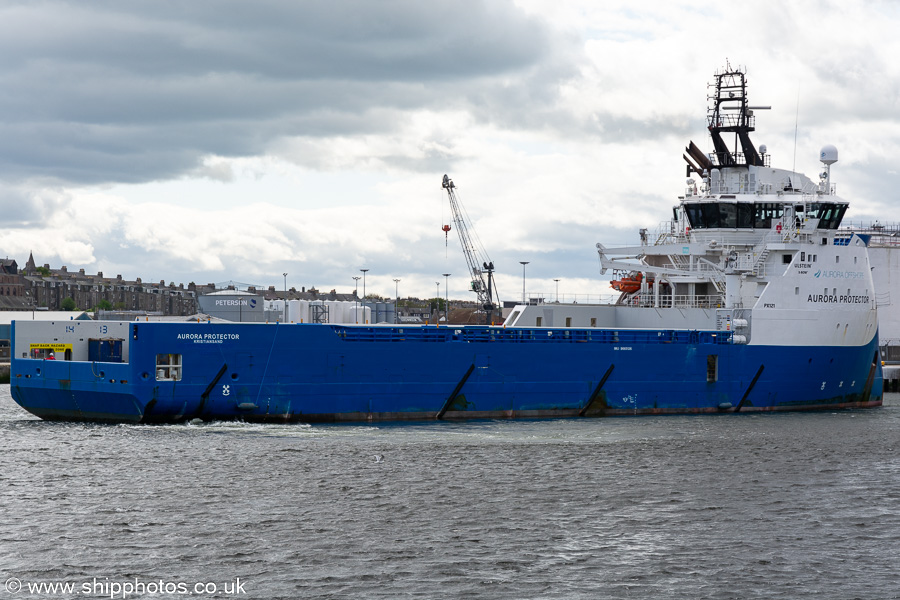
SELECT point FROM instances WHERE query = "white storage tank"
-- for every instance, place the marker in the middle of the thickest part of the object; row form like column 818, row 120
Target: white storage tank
column 335, row 311
column 390, row 314
column 350, row 312
column 364, row 314
column 303, row 308
column 293, row 310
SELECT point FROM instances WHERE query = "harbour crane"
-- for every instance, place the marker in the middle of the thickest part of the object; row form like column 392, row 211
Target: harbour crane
column 481, row 268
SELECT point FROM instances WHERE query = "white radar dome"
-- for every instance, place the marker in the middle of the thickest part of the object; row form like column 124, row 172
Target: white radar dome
column 828, row 154
column 762, row 149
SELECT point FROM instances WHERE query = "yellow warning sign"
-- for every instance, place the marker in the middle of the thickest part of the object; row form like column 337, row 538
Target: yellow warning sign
column 51, row 346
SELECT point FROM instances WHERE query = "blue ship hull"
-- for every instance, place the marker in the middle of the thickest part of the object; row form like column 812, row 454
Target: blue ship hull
column 326, row 373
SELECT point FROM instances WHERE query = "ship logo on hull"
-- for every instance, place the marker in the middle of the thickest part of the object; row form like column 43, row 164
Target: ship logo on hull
column 838, row 274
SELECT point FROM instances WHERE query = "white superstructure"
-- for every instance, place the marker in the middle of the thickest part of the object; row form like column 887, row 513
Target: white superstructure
column 750, row 249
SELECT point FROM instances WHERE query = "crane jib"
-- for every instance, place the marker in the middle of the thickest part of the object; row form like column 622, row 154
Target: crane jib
column 481, row 268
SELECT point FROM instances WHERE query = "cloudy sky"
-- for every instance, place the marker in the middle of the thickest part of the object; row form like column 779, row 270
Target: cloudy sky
column 235, row 141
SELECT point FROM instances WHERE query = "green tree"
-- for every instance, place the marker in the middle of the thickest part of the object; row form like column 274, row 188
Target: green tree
column 68, row 304
column 104, row 304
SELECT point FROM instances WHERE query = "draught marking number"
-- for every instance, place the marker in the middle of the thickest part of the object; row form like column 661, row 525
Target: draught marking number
column 226, row 389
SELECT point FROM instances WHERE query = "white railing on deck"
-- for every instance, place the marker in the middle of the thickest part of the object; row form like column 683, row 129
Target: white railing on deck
column 645, row 301
column 649, row 301
column 541, row 298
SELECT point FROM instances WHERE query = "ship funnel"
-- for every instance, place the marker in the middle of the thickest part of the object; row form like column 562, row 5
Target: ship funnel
column 828, row 154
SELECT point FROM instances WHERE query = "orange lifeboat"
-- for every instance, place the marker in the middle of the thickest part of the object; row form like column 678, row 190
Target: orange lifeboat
column 629, row 284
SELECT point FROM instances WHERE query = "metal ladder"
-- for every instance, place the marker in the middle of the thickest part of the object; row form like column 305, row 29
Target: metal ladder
column 760, row 263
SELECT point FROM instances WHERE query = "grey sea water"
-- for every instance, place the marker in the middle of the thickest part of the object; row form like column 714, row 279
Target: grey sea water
column 802, row 505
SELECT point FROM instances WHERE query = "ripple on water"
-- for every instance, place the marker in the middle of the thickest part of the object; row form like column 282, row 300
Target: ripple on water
column 794, row 506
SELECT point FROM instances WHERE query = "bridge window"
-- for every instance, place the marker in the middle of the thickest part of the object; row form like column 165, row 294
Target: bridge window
column 829, row 215
column 709, row 215
column 694, row 215
column 727, row 215
column 731, row 215
column 765, row 213
column 744, row 215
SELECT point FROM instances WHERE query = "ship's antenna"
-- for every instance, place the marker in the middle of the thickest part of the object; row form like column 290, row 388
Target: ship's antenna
column 796, row 121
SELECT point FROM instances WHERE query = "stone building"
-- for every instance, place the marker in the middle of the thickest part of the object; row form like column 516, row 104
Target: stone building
column 12, row 290
column 48, row 288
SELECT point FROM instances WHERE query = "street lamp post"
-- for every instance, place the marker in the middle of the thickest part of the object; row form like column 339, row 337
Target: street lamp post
column 397, row 301
column 523, row 263
column 447, row 297
column 356, row 278
column 557, row 290
column 364, row 292
column 437, row 297
column 285, row 313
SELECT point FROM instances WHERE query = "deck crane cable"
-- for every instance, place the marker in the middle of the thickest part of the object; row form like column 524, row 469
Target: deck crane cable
column 481, row 268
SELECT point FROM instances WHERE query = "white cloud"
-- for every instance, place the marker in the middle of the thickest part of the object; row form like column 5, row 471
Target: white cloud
column 201, row 144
